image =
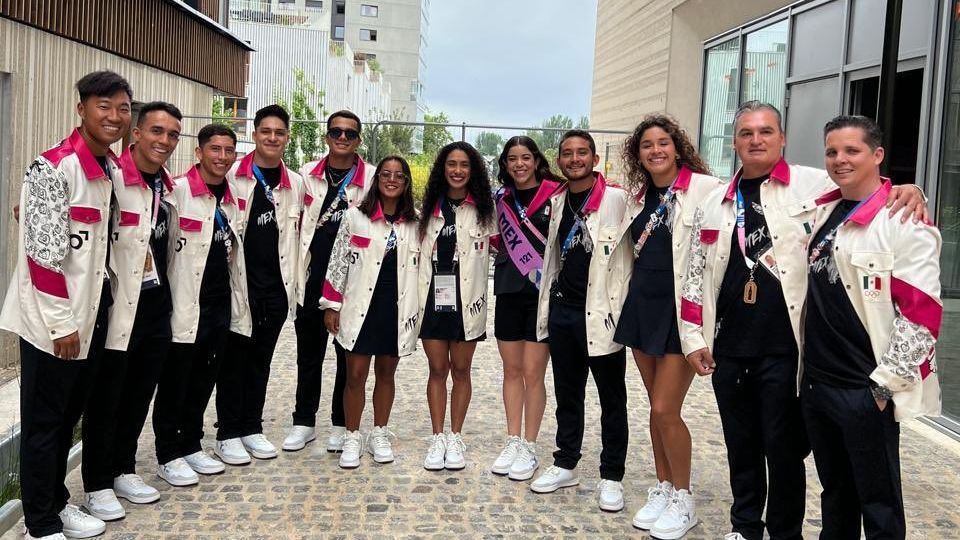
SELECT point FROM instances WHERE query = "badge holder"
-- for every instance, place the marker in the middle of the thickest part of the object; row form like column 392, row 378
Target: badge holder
column 151, row 278
column 445, row 287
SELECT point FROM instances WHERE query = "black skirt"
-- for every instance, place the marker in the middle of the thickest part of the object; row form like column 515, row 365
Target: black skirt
column 378, row 335
column 444, row 325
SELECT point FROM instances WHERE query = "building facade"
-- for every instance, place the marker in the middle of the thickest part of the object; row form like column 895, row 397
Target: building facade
column 43, row 53
column 699, row 59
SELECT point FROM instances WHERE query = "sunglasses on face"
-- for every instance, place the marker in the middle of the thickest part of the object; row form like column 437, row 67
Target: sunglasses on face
column 336, row 133
column 398, row 176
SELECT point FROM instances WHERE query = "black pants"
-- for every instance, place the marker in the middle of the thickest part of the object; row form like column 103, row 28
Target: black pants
column 115, row 413
column 52, row 397
column 763, row 431
column 186, row 383
column 242, row 384
column 571, row 362
column 311, row 348
column 857, row 451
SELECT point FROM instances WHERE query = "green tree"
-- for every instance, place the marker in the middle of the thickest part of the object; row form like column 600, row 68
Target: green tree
column 306, row 143
column 435, row 137
column 489, row 143
column 584, row 123
column 547, row 139
column 217, row 113
column 385, row 140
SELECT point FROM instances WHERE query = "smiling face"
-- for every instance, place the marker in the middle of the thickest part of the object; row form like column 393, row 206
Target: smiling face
column 156, row 138
column 343, row 137
column 521, row 165
column 105, row 120
column 217, row 156
column 456, row 169
column 849, row 160
column 577, row 160
column 391, row 180
column 271, row 138
column 759, row 142
column 658, row 154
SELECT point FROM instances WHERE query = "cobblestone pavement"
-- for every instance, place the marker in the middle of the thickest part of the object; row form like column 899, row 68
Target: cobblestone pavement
column 306, row 495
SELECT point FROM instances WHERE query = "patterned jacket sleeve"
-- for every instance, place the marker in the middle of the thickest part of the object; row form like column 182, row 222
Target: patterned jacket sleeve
column 915, row 291
column 691, row 295
column 46, row 239
column 338, row 268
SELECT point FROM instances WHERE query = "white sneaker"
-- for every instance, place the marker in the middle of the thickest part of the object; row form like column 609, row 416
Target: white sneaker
column 610, row 495
column 503, row 462
column 258, row 446
column 553, row 479
column 231, row 452
column 378, row 444
column 55, row 536
column 76, row 524
column 178, row 473
column 132, row 488
column 658, row 497
column 733, row 536
column 526, row 463
column 202, row 463
column 298, row 437
column 436, row 453
column 454, row 459
column 103, row 504
column 335, row 439
column 352, row 445
column 679, row 517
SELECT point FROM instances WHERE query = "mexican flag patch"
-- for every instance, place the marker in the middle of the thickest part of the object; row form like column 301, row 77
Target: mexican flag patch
column 872, row 283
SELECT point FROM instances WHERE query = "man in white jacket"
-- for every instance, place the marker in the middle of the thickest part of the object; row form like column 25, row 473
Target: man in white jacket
column 872, row 316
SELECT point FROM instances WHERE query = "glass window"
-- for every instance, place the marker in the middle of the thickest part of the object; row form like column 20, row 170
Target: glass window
column 719, row 105
column 368, row 10
column 812, row 104
column 948, row 219
column 368, row 35
column 341, row 8
column 817, row 37
column 338, row 32
column 314, row 4
column 765, row 65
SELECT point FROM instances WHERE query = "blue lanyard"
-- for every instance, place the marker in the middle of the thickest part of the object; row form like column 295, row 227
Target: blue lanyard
column 829, row 237
column 220, row 218
column 656, row 219
column 577, row 225
column 267, row 190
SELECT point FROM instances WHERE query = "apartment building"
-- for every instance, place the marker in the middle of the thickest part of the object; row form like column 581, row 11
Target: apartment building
column 699, row 59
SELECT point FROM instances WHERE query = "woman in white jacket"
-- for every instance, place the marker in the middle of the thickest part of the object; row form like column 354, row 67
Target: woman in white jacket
column 371, row 288
column 458, row 220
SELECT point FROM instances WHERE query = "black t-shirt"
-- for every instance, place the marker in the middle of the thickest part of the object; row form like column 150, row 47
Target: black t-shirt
column 157, row 299
column 387, row 279
column 571, row 285
column 261, row 241
column 657, row 252
column 322, row 243
column 447, row 240
column 216, row 273
column 103, row 161
column 762, row 328
column 506, row 278
column 837, row 348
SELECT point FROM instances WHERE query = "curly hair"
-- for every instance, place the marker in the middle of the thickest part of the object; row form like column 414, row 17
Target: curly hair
column 405, row 207
column 637, row 175
column 478, row 186
column 542, row 171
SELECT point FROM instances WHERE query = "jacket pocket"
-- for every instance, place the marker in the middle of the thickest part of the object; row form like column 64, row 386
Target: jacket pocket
column 873, row 274
column 85, row 214
column 359, row 241
column 709, row 236
column 190, row 224
column 129, row 219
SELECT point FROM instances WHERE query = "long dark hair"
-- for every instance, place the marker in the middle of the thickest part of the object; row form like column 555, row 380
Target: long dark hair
column 478, row 187
column 637, row 175
column 542, row 170
column 405, row 207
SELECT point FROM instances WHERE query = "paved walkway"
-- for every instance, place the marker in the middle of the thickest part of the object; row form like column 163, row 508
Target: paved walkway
column 306, row 495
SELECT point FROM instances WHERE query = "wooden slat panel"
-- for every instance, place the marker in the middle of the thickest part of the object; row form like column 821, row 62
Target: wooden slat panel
column 148, row 31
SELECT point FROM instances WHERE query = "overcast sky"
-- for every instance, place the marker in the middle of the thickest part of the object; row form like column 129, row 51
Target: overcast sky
column 510, row 62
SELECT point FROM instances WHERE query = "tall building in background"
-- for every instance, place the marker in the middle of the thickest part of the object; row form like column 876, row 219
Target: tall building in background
column 394, row 34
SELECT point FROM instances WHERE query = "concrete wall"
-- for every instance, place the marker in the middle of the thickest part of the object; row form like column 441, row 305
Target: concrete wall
column 40, row 70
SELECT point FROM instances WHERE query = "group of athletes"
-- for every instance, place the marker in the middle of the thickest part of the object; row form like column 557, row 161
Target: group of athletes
column 811, row 296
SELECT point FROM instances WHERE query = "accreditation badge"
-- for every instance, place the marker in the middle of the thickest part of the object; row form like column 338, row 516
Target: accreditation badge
column 445, row 292
column 769, row 262
column 151, row 278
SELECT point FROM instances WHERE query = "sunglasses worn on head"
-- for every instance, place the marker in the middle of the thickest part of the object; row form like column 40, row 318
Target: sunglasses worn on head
column 351, row 134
